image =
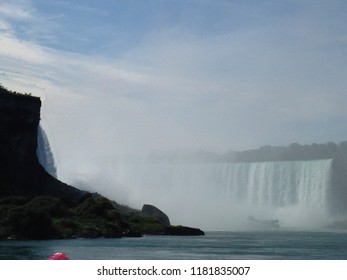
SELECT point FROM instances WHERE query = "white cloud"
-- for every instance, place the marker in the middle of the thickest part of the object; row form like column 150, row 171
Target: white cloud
column 11, row 47
column 17, row 10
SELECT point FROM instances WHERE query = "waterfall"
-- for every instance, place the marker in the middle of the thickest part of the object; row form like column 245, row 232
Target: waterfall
column 44, row 153
column 222, row 195
column 278, row 184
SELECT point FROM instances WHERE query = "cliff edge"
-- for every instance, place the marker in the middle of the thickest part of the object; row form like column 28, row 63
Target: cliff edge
column 34, row 204
column 20, row 170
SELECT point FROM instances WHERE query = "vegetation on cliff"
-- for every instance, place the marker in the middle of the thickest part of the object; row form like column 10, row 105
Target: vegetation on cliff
column 47, row 217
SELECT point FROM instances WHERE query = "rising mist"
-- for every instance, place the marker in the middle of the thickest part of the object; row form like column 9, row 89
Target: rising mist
column 216, row 195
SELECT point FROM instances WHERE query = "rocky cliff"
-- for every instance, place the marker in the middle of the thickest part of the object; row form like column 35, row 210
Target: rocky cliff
column 36, row 205
column 20, row 171
column 152, row 211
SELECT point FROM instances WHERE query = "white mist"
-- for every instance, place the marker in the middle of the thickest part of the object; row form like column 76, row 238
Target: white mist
column 220, row 196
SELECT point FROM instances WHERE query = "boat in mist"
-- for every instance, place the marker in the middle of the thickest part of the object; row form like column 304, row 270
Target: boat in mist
column 256, row 224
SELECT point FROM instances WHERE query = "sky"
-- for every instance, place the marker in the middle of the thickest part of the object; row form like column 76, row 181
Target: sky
column 143, row 76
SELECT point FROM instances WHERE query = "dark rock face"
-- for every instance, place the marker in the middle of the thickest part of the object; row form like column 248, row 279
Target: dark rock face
column 152, row 211
column 20, row 170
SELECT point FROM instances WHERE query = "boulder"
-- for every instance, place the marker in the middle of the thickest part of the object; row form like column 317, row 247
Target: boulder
column 152, row 211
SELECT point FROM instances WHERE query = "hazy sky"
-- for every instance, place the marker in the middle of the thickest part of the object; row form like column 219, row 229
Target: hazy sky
column 139, row 76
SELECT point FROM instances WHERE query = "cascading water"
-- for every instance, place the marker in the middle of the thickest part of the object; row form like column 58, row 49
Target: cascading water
column 278, row 184
column 44, row 153
column 220, row 196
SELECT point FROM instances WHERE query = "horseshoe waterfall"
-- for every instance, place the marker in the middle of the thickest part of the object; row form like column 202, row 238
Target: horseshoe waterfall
column 223, row 195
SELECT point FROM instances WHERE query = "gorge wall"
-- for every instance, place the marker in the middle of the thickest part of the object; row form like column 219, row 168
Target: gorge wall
column 20, row 171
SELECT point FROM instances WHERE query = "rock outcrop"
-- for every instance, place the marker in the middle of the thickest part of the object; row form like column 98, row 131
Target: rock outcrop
column 152, row 211
column 152, row 221
column 182, row 230
column 20, row 170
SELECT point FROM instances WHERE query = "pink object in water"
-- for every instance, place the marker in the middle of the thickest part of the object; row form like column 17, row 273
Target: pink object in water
column 58, row 256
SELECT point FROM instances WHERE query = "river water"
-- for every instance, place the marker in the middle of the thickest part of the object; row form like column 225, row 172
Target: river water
column 275, row 245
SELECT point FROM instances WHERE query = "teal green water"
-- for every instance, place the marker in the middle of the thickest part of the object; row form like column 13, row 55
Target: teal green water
column 215, row 245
